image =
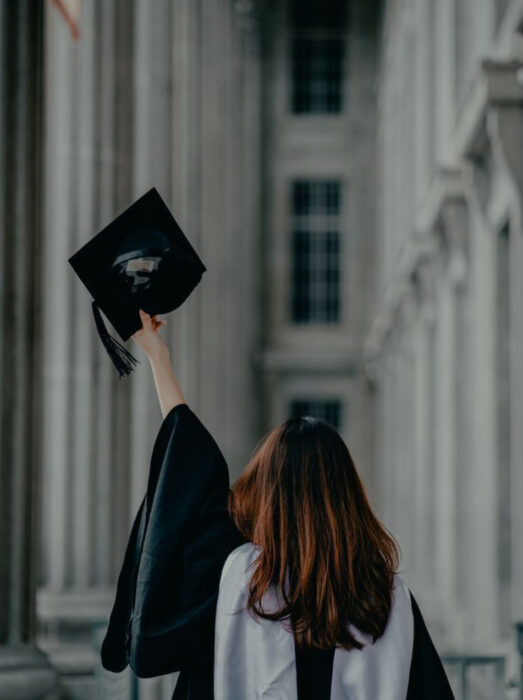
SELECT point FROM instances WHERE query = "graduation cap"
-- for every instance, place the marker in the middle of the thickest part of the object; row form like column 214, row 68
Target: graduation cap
column 141, row 260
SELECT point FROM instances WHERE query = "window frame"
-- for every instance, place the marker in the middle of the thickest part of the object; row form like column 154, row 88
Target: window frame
column 313, row 321
column 316, row 35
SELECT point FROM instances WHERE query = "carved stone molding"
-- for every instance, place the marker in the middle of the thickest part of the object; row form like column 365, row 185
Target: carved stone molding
column 495, row 126
column 445, row 226
column 440, row 248
column 423, row 280
column 409, row 306
column 481, row 168
column 455, row 227
column 505, row 128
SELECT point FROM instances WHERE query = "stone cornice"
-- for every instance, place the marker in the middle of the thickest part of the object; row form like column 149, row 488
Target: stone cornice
column 447, row 186
column 440, row 240
column 87, row 605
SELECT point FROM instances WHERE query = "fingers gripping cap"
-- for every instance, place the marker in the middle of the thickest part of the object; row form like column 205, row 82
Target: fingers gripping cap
column 142, row 259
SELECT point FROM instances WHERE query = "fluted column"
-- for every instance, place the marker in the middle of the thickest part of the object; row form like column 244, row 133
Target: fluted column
column 85, row 417
column 497, row 212
column 385, row 435
column 444, row 440
column 24, row 670
column 504, row 124
column 393, row 485
column 151, row 143
column 163, row 94
column 184, row 331
column 424, row 401
column 454, row 220
column 483, row 547
column 251, row 319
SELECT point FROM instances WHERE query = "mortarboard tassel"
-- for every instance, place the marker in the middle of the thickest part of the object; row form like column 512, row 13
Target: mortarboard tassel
column 121, row 357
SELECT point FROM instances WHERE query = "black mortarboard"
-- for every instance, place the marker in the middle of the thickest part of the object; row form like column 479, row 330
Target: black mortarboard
column 141, row 260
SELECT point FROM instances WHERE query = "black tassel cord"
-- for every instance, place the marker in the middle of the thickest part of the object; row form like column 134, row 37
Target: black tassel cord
column 122, row 359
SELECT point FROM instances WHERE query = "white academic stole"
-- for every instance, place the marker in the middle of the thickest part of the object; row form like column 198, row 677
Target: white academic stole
column 254, row 659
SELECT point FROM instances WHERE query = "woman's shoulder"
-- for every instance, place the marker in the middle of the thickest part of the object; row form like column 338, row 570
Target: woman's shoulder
column 399, row 584
column 239, row 559
column 401, row 594
column 401, row 619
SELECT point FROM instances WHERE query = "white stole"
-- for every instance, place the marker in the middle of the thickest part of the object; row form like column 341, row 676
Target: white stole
column 254, row 659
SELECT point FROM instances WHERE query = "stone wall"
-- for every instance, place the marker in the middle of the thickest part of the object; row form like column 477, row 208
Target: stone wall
column 448, row 329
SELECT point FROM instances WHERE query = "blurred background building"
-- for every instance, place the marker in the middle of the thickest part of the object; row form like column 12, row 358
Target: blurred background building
column 351, row 173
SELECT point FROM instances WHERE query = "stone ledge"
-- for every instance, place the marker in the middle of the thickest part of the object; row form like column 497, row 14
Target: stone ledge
column 314, row 360
column 26, row 674
column 74, row 604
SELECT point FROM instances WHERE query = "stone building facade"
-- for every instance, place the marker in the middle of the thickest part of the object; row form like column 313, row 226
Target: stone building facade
column 353, row 180
column 447, row 335
column 164, row 94
column 25, row 671
column 319, row 77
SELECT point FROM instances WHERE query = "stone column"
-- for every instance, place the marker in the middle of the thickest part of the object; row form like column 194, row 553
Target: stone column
column 404, row 475
column 85, row 419
column 394, row 435
column 493, row 151
column 388, row 411
column 424, row 95
column 152, row 94
column 185, row 331
column 24, row 670
column 454, row 221
column 503, row 121
column 444, row 76
column 483, row 487
column 450, row 227
column 251, row 279
column 421, row 400
column 411, row 467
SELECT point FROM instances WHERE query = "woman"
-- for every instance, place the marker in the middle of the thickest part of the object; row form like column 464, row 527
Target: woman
column 283, row 586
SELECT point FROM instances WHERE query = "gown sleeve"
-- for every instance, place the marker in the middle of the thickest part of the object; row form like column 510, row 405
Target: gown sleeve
column 163, row 615
column 427, row 679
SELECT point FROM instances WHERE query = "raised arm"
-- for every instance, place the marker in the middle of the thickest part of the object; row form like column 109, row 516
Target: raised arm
column 163, row 615
column 148, row 338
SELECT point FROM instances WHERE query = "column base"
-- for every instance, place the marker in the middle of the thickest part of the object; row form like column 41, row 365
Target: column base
column 26, row 674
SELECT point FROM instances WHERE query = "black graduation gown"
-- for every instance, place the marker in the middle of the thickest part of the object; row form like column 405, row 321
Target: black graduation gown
column 163, row 615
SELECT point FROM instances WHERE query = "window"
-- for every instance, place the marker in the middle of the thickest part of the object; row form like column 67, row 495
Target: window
column 315, row 251
column 328, row 410
column 317, row 51
column 316, row 74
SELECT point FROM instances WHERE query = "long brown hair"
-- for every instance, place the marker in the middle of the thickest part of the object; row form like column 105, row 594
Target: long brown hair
column 301, row 500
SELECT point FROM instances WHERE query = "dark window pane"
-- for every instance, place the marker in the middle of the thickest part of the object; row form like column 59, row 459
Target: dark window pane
column 301, row 197
column 328, row 410
column 301, row 276
column 315, row 251
column 306, row 14
column 317, row 67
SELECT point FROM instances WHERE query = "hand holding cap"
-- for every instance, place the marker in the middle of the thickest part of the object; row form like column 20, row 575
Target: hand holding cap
column 141, row 260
